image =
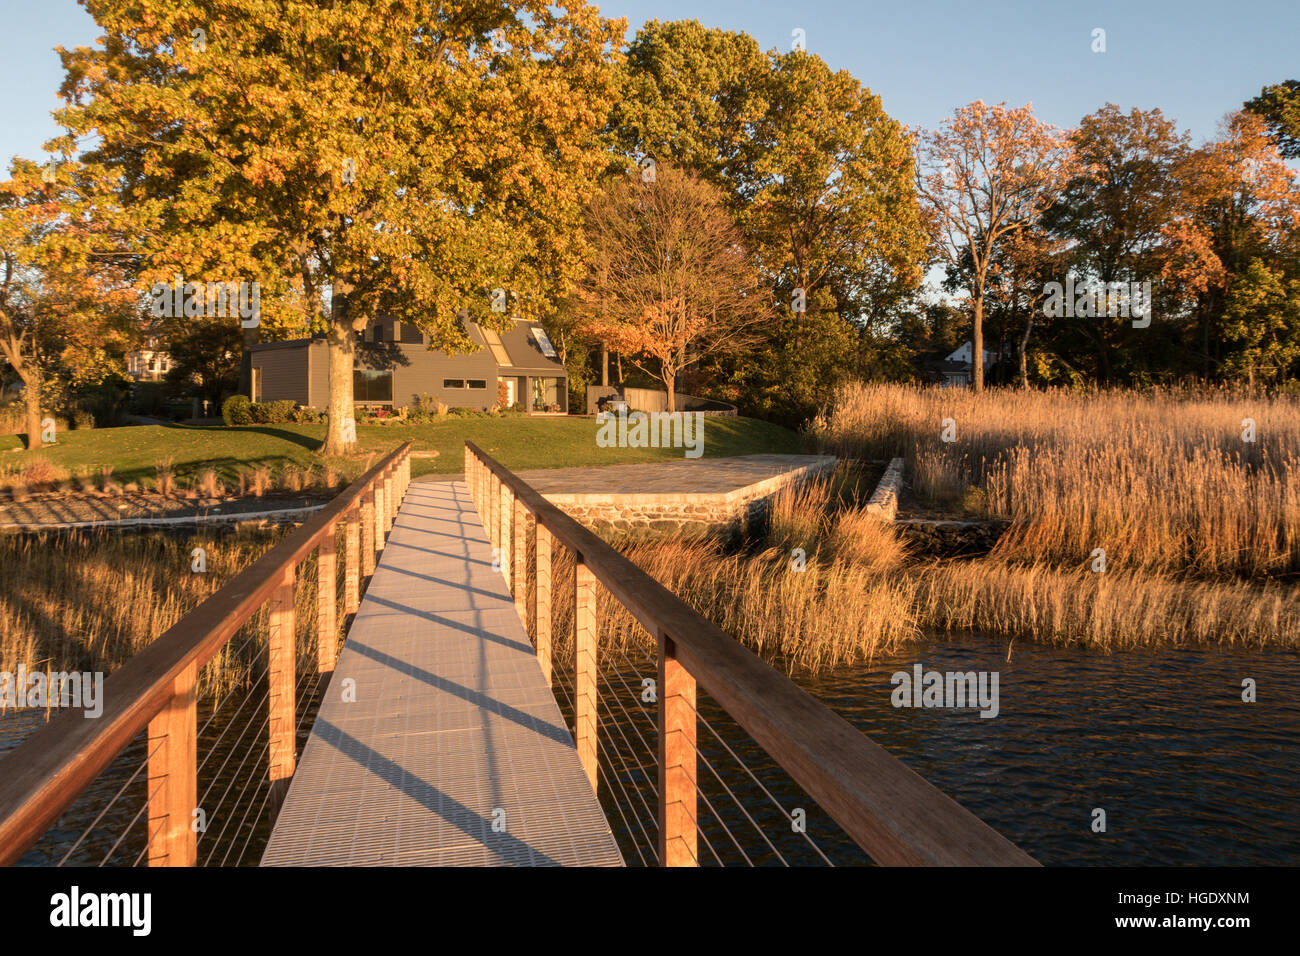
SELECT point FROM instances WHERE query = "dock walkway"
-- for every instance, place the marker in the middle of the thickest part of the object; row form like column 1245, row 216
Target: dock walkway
column 453, row 751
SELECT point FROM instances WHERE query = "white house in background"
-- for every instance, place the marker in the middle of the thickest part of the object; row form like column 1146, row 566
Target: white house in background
column 956, row 368
column 148, row 365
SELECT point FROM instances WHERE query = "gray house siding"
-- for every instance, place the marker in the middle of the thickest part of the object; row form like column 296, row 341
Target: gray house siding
column 418, row 371
column 282, row 372
column 319, row 363
column 299, row 370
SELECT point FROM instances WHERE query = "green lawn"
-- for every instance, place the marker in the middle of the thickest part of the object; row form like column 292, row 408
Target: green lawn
column 518, row 442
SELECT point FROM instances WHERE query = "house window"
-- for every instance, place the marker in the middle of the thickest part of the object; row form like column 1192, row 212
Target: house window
column 546, row 392
column 453, row 383
column 478, row 383
column 368, row 386
column 411, row 334
column 494, row 344
column 378, row 333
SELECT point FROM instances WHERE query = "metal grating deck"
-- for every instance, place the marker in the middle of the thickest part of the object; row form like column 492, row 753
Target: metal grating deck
column 452, row 721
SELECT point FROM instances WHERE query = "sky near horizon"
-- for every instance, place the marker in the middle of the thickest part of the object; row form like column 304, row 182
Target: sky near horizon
column 1195, row 60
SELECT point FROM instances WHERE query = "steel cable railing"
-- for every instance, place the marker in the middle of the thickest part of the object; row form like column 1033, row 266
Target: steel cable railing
column 879, row 804
column 274, row 629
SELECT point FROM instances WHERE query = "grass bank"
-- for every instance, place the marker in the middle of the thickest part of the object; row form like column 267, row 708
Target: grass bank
column 138, row 453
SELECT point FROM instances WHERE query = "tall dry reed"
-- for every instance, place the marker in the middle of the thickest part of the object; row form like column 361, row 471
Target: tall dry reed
column 1163, row 481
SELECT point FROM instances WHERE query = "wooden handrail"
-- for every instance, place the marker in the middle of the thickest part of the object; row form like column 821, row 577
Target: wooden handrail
column 889, row 810
column 43, row 775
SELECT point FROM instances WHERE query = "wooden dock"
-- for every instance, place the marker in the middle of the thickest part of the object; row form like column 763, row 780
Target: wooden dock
column 449, row 748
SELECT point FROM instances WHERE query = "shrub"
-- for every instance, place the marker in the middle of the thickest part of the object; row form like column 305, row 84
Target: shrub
column 237, row 410
column 273, row 413
column 82, row 419
column 306, row 415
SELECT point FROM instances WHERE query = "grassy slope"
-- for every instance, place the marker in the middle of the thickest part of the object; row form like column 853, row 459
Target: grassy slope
column 518, row 442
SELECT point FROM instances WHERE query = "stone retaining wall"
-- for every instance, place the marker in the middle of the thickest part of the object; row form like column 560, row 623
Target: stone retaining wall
column 732, row 511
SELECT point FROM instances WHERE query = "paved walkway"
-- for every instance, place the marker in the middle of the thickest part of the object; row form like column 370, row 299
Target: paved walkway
column 453, row 728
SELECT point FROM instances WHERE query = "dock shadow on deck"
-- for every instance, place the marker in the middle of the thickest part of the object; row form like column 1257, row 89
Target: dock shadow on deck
column 452, row 722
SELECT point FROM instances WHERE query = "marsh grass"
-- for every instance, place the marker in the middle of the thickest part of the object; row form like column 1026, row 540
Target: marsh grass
column 90, row 601
column 1162, row 480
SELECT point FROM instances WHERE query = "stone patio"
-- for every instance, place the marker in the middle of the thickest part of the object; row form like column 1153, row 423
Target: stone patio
column 708, row 492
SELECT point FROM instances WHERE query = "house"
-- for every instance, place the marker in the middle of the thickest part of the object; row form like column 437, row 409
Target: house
column 954, row 370
column 394, row 367
column 148, row 365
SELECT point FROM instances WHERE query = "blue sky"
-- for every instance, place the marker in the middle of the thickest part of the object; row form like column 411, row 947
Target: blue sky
column 1194, row 59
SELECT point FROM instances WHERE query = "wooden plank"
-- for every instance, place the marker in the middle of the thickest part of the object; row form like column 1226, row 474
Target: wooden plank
column 327, row 603
column 173, row 776
column 352, row 562
column 281, row 644
column 542, row 601
column 48, row 770
column 586, row 693
column 519, row 560
column 885, row 807
column 678, row 831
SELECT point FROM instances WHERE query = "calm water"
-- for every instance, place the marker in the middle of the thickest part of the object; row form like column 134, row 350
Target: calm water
column 1186, row 772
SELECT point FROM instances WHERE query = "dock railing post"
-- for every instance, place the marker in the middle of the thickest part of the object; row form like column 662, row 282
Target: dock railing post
column 584, row 665
column 494, row 514
column 281, row 646
column 368, row 533
column 507, row 506
column 352, row 561
column 678, row 835
column 173, row 776
column 327, row 602
column 390, row 502
column 542, row 600
column 381, row 514
column 519, row 561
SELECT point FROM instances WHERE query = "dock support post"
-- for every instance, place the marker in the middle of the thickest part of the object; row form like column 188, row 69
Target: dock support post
column 542, row 601
column 173, row 776
column 352, row 562
column 584, row 650
column 381, row 514
column 327, row 602
column 281, row 678
column 678, row 835
column 519, row 562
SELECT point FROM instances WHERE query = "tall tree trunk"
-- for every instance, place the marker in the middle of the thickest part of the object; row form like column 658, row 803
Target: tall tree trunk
column 342, row 355
column 1024, row 348
column 977, row 344
column 604, row 365
column 249, row 337
column 669, row 377
column 31, row 377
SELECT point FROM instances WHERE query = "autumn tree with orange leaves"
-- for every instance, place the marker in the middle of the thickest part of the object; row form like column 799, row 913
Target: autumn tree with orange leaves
column 670, row 279
column 984, row 175
column 67, row 304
